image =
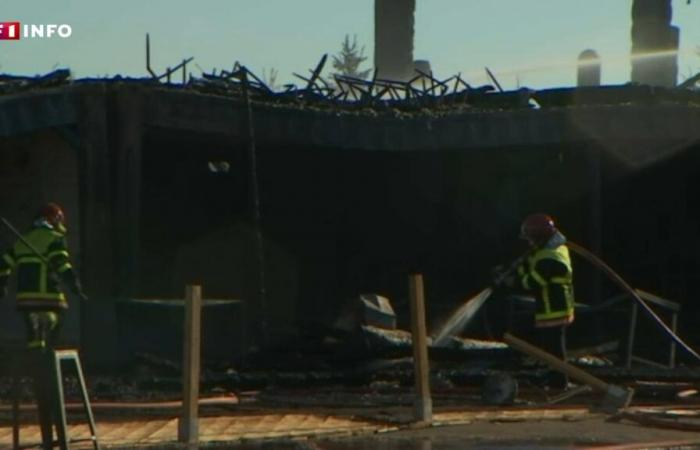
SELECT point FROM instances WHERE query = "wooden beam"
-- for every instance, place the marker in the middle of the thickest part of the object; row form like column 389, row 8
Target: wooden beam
column 423, row 402
column 188, row 424
column 554, row 362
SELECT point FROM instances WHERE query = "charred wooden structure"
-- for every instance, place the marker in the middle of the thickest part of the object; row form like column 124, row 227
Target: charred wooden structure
column 352, row 195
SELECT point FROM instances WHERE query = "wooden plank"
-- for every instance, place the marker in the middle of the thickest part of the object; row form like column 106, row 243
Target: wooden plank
column 423, row 402
column 188, row 425
column 554, row 362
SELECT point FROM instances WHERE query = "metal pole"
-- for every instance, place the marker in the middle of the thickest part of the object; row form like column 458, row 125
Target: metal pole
column 59, row 404
column 672, row 355
column 148, row 57
column 630, row 335
column 493, row 78
column 423, row 402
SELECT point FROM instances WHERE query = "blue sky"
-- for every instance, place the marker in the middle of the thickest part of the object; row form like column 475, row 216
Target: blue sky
column 527, row 42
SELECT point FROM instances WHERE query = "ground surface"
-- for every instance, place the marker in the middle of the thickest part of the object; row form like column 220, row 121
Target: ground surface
column 370, row 427
column 583, row 433
column 375, row 416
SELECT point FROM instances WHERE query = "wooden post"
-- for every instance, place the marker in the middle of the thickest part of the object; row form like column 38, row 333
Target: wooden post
column 423, row 403
column 188, row 426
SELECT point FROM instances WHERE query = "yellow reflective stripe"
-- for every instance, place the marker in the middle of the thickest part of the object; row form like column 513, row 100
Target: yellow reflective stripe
column 41, row 295
column 560, row 254
column 57, row 253
column 561, row 280
column 29, row 259
column 541, row 281
column 5, row 272
column 554, row 314
column 36, row 344
column 64, row 267
column 9, row 259
column 525, row 282
column 521, row 270
column 553, row 322
column 545, row 300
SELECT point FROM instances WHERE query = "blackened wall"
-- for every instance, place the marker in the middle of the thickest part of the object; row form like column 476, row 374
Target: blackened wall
column 361, row 221
column 337, row 223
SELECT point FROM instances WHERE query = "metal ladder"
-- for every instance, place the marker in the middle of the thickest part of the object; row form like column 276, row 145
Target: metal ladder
column 57, row 357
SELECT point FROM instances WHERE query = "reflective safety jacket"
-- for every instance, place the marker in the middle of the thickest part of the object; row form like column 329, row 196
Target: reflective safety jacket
column 547, row 274
column 37, row 284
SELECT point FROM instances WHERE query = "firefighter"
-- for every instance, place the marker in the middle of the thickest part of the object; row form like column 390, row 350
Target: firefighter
column 546, row 274
column 41, row 260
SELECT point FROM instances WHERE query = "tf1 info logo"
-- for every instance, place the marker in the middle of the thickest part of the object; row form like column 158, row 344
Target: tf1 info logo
column 14, row 31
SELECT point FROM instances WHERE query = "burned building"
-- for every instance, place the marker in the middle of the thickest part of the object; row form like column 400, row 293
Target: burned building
column 347, row 197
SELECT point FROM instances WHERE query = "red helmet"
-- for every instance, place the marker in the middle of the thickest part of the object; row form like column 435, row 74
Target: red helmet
column 53, row 214
column 537, row 228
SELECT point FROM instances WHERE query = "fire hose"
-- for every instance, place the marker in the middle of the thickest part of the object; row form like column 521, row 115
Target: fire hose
column 597, row 262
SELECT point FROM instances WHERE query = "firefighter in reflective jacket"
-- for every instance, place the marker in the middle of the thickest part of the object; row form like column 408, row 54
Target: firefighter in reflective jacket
column 39, row 296
column 41, row 260
column 546, row 274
